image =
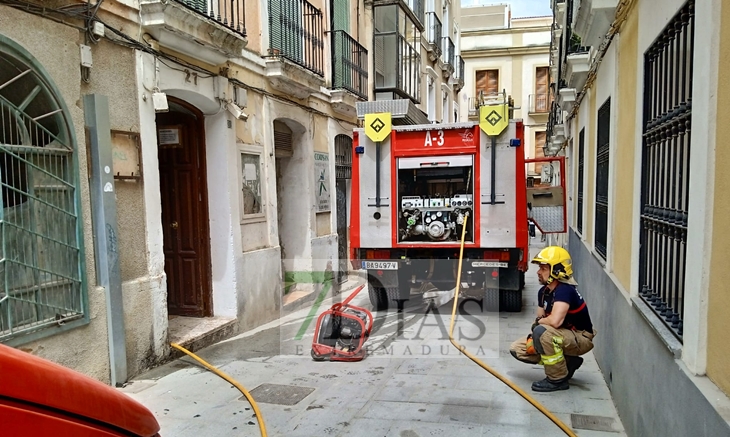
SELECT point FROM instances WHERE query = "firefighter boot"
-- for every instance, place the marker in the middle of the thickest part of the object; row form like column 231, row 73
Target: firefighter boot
column 546, row 385
column 574, row 364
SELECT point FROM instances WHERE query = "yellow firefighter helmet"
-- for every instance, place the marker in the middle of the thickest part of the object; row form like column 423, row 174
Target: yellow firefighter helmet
column 561, row 266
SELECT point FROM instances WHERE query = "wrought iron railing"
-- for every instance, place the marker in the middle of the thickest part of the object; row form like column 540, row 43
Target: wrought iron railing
column 41, row 281
column 399, row 65
column 343, row 157
column 349, row 64
column 539, row 103
column 459, row 71
column 433, row 31
column 296, row 33
column 449, row 50
column 668, row 72
column 602, row 180
column 229, row 13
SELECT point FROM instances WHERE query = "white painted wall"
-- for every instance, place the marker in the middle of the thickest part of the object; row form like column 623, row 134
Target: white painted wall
column 223, row 208
column 701, row 182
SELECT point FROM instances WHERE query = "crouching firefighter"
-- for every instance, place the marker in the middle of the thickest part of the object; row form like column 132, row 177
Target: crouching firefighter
column 562, row 330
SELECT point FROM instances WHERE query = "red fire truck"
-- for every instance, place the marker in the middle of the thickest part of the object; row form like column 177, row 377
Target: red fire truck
column 411, row 192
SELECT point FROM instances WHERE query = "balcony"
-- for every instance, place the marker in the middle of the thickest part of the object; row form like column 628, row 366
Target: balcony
column 539, row 104
column 449, row 51
column 418, row 7
column 566, row 99
column 349, row 73
column 295, row 60
column 433, row 36
column 397, row 68
column 212, row 31
column 459, row 75
column 578, row 64
column 594, row 19
column 560, row 14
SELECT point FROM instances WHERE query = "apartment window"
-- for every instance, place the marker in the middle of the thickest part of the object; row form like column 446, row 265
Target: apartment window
column 42, row 283
column 542, row 92
column 602, row 162
column 251, row 202
column 539, row 149
column 487, row 82
column 665, row 167
column 581, row 166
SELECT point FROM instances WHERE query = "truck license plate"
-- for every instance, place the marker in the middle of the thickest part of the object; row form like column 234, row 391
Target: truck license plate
column 488, row 264
column 380, row 265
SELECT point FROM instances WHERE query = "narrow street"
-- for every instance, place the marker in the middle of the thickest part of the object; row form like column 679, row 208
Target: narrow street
column 413, row 382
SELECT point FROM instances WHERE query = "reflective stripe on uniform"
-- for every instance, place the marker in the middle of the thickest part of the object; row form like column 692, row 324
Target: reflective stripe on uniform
column 549, row 360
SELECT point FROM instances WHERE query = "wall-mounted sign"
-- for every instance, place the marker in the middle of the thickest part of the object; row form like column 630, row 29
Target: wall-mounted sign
column 168, row 136
column 322, row 181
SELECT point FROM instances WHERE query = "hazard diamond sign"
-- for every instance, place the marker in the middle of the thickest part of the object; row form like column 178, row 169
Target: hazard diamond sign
column 493, row 119
column 377, row 126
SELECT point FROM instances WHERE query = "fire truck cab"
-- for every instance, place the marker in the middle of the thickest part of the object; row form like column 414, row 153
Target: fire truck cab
column 413, row 193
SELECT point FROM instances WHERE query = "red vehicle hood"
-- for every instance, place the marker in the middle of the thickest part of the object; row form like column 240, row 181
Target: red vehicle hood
column 27, row 378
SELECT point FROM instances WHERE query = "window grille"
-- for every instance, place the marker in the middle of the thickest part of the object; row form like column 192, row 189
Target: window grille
column 581, row 166
column 602, row 162
column 665, row 168
column 343, row 157
column 42, row 282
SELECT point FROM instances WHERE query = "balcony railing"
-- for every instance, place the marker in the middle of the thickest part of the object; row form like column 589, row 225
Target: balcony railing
column 419, row 8
column 449, row 49
column 228, row 13
column 295, row 33
column 398, row 67
column 459, row 71
column 539, row 103
column 349, row 64
column 433, row 31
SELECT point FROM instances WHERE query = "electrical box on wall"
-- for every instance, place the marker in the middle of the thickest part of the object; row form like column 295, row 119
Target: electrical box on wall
column 86, row 56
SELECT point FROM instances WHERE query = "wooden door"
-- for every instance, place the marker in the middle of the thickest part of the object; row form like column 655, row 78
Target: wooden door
column 181, row 152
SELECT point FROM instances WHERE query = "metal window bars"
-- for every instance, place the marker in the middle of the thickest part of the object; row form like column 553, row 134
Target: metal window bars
column 349, row 64
column 41, row 280
column 401, row 72
column 603, row 156
column 343, row 157
column 228, row 13
column 581, row 169
column 296, row 33
column 668, row 73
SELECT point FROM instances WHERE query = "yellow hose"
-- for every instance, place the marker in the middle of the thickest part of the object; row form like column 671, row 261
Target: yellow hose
column 220, row 373
column 463, row 350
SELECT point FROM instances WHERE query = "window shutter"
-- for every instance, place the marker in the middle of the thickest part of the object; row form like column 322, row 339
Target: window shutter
column 492, row 82
column 541, row 89
column 539, row 152
column 282, row 140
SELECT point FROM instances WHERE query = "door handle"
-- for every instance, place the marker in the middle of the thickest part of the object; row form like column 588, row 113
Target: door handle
column 174, row 225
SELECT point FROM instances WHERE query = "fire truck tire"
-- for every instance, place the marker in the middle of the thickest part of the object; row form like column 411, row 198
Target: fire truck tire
column 491, row 298
column 378, row 297
column 522, row 281
column 511, row 300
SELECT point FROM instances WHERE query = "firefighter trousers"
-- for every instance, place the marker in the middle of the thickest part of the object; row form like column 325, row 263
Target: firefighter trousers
column 553, row 347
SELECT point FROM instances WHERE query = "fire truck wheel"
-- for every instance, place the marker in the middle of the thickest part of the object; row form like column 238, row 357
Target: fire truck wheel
column 317, row 357
column 378, row 297
column 511, row 300
column 491, row 298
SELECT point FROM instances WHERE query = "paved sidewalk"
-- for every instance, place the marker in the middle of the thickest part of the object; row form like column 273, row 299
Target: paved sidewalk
column 413, row 384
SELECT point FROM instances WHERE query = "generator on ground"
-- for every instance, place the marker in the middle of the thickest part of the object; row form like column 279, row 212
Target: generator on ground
column 412, row 187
